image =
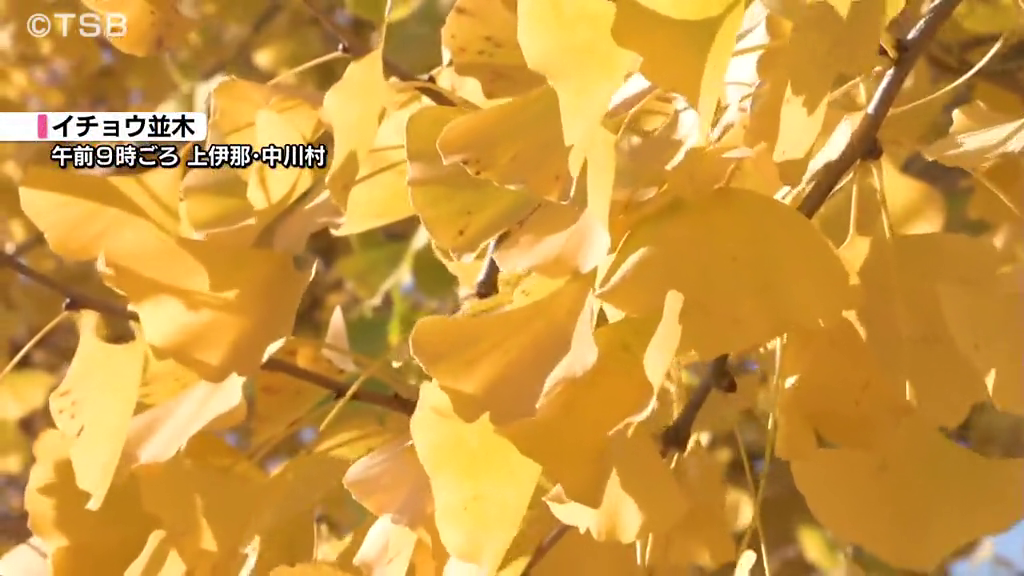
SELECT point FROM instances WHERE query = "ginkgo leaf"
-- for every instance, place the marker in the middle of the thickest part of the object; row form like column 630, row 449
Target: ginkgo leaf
column 688, row 57
column 481, row 484
column 570, row 43
column 611, row 391
column 562, row 239
column 94, row 411
column 481, row 38
column 84, row 215
column 205, row 508
column 640, row 494
column 555, row 240
column 213, row 199
column 354, row 108
column 158, row 558
column 391, row 481
column 703, row 536
column 503, row 359
column 235, row 102
column 903, row 320
column 107, row 539
column 380, row 194
column 517, row 143
column 157, row 434
column 824, row 43
column 982, row 137
column 983, row 320
column 840, row 390
column 581, row 552
column 206, row 305
column 272, row 188
column 717, row 251
column 149, row 25
column 916, row 482
column 459, row 211
column 163, row 380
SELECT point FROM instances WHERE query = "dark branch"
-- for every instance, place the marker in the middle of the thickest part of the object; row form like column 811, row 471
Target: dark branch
column 76, row 300
column 487, row 283
column 863, row 145
column 865, row 135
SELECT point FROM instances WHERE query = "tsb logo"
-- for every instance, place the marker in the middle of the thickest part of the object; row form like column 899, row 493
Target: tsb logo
column 89, row 25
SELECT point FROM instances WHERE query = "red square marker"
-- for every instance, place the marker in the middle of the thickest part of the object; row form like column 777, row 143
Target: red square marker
column 41, row 128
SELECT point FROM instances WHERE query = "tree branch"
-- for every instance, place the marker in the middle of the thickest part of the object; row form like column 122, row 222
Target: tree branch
column 864, row 140
column 76, row 300
column 863, row 145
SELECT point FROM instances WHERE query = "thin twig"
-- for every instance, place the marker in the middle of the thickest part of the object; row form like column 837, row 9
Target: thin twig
column 76, row 300
column 357, row 47
column 487, row 283
column 676, row 435
column 864, row 139
column 863, row 145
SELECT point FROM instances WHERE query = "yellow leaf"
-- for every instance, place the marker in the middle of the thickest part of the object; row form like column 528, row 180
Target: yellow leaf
column 517, row 143
column 459, row 211
column 555, row 240
column 106, row 540
column 387, row 548
column 688, row 57
column 915, row 483
column 823, row 44
column 213, row 199
column 85, row 215
column 158, row 558
column 721, row 252
column 390, row 481
column 558, row 240
column 163, row 380
column 903, row 319
column 570, row 43
column 481, row 484
column 160, row 432
column 149, row 25
column 273, row 188
column 580, row 554
column 978, row 137
column 640, row 496
column 703, row 536
column 480, row 36
column 381, row 194
column 206, row 305
column 503, row 359
column 205, row 506
column 278, row 400
column 984, row 322
column 94, row 404
column 613, row 389
column 354, row 107
column 840, row 391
